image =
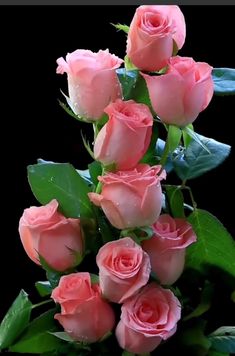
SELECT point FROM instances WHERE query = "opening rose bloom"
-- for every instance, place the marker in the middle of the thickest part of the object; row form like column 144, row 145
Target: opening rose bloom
column 85, row 316
column 131, row 198
column 167, row 247
column 152, row 33
column 147, row 319
column 123, row 269
column 46, row 232
column 92, row 81
column 126, row 136
column 187, row 86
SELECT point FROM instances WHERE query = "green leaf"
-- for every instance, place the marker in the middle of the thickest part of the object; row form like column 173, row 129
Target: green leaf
column 121, row 27
column 60, row 181
column 173, row 137
column 36, row 338
column 95, row 170
column 52, row 275
column 223, row 339
column 205, row 303
column 224, row 81
column 214, row 246
column 215, row 353
column 195, row 340
column 195, row 161
column 16, row 320
column 133, row 86
column 175, row 200
column 85, row 174
column 62, row 336
column 104, row 227
column 150, row 156
column 196, row 137
column 44, row 288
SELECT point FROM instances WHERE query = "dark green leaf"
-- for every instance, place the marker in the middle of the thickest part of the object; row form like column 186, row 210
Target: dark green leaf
column 205, row 303
column 44, row 288
column 36, row 338
column 215, row 353
column 194, row 338
column 16, row 320
column 214, row 246
column 133, row 86
column 121, row 27
column 173, row 137
column 85, row 175
column 95, row 170
column 175, row 200
column 223, row 339
column 224, row 81
column 62, row 182
column 195, row 161
column 52, row 275
column 104, row 227
column 150, row 156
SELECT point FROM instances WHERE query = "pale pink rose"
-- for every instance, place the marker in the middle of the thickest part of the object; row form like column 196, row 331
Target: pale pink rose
column 148, row 318
column 123, row 269
column 183, row 92
column 131, row 198
column 85, row 316
column 46, row 232
column 152, row 33
column 126, row 136
column 92, row 81
column 167, row 247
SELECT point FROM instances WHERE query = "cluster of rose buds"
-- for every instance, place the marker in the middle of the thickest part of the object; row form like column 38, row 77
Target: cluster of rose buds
column 131, row 195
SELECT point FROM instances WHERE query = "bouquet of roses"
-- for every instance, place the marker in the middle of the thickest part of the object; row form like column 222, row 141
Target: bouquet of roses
column 132, row 264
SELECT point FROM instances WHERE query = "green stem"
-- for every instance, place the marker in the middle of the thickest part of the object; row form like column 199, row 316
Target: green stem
column 99, row 185
column 42, row 303
column 165, row 153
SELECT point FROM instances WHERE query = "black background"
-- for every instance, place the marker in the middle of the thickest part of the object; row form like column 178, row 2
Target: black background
column 34, row 126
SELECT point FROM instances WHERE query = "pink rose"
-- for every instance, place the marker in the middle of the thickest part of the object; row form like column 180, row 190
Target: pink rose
column 46, row 232
column 147, row 318
column 131, row 198
column 183, row 92
column 126, row 136
column 92, row 81
column 167, row 247
column 85, row 316
column 123, row 269
column 152, row 33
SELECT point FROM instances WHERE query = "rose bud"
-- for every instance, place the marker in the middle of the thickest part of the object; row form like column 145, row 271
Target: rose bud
column 92, row 81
